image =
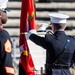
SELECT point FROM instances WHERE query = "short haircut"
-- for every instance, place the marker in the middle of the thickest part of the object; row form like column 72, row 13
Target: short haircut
column 59, row 26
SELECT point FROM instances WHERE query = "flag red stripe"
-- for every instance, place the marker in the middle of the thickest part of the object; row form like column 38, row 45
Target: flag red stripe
column 26, row 59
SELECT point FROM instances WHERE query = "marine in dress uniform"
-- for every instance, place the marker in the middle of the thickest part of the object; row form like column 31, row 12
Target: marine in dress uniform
column 60, row 48
column 6, row 66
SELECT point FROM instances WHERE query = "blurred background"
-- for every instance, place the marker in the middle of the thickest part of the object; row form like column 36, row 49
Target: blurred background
column 43, row 8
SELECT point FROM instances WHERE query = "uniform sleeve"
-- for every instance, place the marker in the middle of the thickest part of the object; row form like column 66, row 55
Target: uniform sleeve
column 6, row 58
column 41, row 41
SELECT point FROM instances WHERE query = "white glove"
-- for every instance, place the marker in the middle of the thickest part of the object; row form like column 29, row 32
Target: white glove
column 33, row 31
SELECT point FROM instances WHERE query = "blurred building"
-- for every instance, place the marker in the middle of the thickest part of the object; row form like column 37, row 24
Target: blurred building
column 50, row 0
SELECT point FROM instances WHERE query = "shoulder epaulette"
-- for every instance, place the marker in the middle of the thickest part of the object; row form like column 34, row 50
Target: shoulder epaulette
column 49, row 32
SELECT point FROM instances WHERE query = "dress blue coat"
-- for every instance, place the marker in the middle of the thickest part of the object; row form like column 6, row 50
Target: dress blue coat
column 54, row 44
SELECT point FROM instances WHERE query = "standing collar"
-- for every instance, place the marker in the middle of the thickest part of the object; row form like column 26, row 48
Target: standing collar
column 59, row 31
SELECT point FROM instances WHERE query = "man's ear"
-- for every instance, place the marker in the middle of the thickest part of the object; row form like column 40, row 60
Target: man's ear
column 0, row 18
column 4, row 18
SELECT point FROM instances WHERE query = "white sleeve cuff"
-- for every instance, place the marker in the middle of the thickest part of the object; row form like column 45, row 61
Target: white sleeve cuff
column 32, row 32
